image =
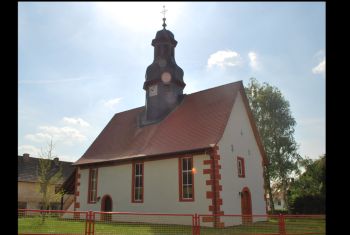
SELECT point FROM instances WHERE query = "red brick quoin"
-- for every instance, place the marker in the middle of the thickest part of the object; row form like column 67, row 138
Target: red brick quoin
column 216, row 188
column 76, row 193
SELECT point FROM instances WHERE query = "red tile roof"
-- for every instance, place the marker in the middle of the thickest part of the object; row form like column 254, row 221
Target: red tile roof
column 197, row 123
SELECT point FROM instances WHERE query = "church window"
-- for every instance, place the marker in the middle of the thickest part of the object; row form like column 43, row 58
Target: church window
column 137, row 181
column 92, row 191
column 186, row 179
column 240, row 167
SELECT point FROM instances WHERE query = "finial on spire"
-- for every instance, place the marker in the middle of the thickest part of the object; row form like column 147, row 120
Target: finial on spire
column 163, row 12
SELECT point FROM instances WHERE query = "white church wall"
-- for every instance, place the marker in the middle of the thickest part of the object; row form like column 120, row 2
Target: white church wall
column 161, row 189
column 238, row 140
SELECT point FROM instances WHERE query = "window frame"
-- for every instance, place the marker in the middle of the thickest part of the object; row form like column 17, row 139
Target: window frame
column 241, row 173
column 90, row 188
column 133, row 186
column 181, row 171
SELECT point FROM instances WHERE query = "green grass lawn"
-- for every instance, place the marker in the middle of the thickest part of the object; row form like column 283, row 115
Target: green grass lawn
column 132, row 228
column 293, row 227
column 50, row 225
column 63, row 226
column 60, row 226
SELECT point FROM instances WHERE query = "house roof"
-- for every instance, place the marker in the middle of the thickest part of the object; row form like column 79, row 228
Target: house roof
column 69, row 184
column 197, row 123
column 28, row 169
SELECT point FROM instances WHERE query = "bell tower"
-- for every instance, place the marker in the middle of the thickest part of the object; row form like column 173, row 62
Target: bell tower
column 164, row 78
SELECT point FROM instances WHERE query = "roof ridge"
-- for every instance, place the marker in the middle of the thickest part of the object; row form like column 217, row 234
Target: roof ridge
column 38, row 158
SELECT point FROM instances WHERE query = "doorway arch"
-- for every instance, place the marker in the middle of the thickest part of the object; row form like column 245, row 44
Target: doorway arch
column 106, row 205
column 246, row 205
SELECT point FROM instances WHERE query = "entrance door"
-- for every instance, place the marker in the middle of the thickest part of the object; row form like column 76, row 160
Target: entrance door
column 106, row 205
column 246, row 204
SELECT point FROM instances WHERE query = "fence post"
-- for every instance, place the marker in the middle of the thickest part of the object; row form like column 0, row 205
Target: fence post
column 281, row 225
column 93, row 223
column 197, row 225
column 89, row 219
column 87, row 227
column 194, row 224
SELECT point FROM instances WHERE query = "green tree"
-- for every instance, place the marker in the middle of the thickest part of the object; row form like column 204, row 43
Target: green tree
column 49, row 175
column 308, row 192
column 276, row 128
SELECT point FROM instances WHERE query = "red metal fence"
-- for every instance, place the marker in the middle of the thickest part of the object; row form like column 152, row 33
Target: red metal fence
column 97, row 223
column 142, row 223
column 53, row 222
column 261, row 224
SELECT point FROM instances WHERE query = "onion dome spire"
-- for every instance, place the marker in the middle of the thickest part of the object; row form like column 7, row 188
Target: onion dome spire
column 164, row 19
column 164, row 82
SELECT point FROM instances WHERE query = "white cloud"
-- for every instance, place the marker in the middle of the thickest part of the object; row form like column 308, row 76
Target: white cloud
column 36, row 152
column 66, row 134
column 32, row 150
column 253, row 60
column 320, row 68
column 38, row 137
column 76, row 121
column 112, row 102
column 224, row 58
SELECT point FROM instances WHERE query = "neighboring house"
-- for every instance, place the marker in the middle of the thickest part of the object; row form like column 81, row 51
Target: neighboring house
column 197, row 153
column 28, row 185
column 277, row 194
column 278, row 201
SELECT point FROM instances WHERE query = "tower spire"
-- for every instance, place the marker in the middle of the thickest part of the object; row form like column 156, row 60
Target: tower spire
column 164, row 82
column 163, row 12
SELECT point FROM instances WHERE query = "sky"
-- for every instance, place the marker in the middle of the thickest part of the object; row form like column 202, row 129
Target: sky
column 79, row 63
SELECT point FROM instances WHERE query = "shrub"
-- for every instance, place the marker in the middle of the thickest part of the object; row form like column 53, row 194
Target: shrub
column 308, row 204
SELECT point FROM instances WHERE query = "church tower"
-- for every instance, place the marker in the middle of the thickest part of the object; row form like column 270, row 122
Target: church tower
column 164, row 79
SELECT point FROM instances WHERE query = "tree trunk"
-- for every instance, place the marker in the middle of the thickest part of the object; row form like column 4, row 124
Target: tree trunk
column 43, row 215
column 268, row 188
column 285, row 194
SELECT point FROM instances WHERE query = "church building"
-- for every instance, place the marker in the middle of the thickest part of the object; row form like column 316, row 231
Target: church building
column 180, row 153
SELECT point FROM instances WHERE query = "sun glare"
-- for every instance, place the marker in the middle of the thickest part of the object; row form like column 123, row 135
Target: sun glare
column 194, row 170
column 138, row 15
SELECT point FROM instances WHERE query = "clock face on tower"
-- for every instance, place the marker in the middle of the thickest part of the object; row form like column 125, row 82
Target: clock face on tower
column 153, row 91
column 166, row 77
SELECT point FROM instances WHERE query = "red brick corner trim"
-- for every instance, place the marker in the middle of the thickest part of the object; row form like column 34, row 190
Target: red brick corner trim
column 216, row 188
column 76, row 189
column 76, row 192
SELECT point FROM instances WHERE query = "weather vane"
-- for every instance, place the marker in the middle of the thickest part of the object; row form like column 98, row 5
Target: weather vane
column 163, row 12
